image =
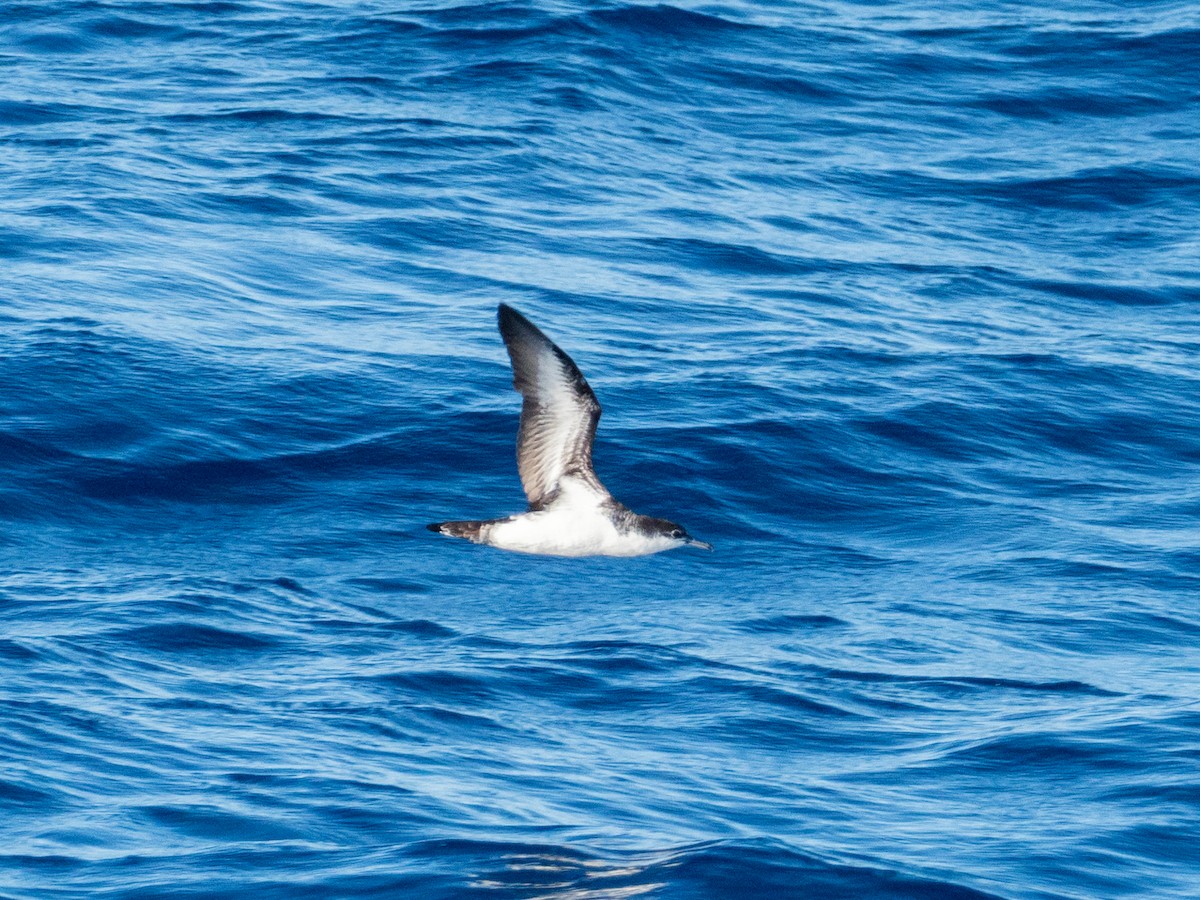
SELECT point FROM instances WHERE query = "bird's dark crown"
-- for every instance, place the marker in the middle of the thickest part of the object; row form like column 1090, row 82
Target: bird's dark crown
column 651, row 525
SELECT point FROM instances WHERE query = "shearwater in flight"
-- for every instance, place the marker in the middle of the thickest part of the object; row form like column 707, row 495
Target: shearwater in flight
column 570, row 512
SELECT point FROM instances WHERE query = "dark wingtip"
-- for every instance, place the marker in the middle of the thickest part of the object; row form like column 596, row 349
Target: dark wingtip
column 510, row 318
column 436, row 527
column 515, row 328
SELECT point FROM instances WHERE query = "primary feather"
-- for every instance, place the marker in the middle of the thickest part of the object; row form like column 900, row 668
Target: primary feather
column 558, row 415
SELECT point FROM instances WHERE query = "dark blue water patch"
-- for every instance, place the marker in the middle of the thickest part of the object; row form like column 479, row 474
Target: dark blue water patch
column 968, row 683
column 672, row 22
column 1145, row 53
column 214, row 823
column 257, row 117
column 96, row 423
column 221, row 481
column 17, row 112
column 1034, row 755
column 772, row 81
column 1103, row 189
column 1150, row 629
column 389, row 585
column 726, row 258
column 468, row 689
column 419, row 628
column 729, row 870
column 16, row 651
column 24, row 795
column 560, row 681
column 493, row 24
column 1119, row 294
column 935, row 429
column 71, row 731
column 1183, row 793
column 126, row 29
column 192, row 638
column 194, row 705
column 765, row 696
column 828, row 472
column 265, row 205
column 1052, row 104
column 1165, row 842
column 54, row 42
column 1095, row 190
column 634, row 657
column 292, row 586
column 433, row 719
column 788, row 624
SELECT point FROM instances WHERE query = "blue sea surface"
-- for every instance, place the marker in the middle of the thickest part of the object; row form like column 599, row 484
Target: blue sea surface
column 897, row 304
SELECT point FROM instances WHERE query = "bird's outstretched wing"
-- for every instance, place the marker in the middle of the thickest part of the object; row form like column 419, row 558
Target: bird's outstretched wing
column 559, row 415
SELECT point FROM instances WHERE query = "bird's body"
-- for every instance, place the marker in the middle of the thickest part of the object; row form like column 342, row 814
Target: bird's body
column 580, row 522
column 570, row 512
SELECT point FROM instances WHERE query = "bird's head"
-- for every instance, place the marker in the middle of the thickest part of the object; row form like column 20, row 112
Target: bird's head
column 675, row 535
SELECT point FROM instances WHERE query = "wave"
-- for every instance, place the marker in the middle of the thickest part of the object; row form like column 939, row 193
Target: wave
column 499, row 869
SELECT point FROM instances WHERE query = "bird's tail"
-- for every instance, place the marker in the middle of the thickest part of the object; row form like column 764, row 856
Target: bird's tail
column 469, row 530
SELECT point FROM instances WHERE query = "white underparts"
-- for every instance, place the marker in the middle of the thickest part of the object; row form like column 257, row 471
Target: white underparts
column 579, row 522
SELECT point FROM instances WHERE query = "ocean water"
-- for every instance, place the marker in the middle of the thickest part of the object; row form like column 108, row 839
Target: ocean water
column 895, row 303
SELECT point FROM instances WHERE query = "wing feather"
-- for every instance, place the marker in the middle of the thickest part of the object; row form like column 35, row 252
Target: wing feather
column 558, row 415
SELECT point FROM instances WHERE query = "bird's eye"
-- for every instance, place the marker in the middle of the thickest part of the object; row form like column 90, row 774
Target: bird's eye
column 677, row 533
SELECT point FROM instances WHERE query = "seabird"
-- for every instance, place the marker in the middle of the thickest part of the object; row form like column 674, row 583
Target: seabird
column 570, row 512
